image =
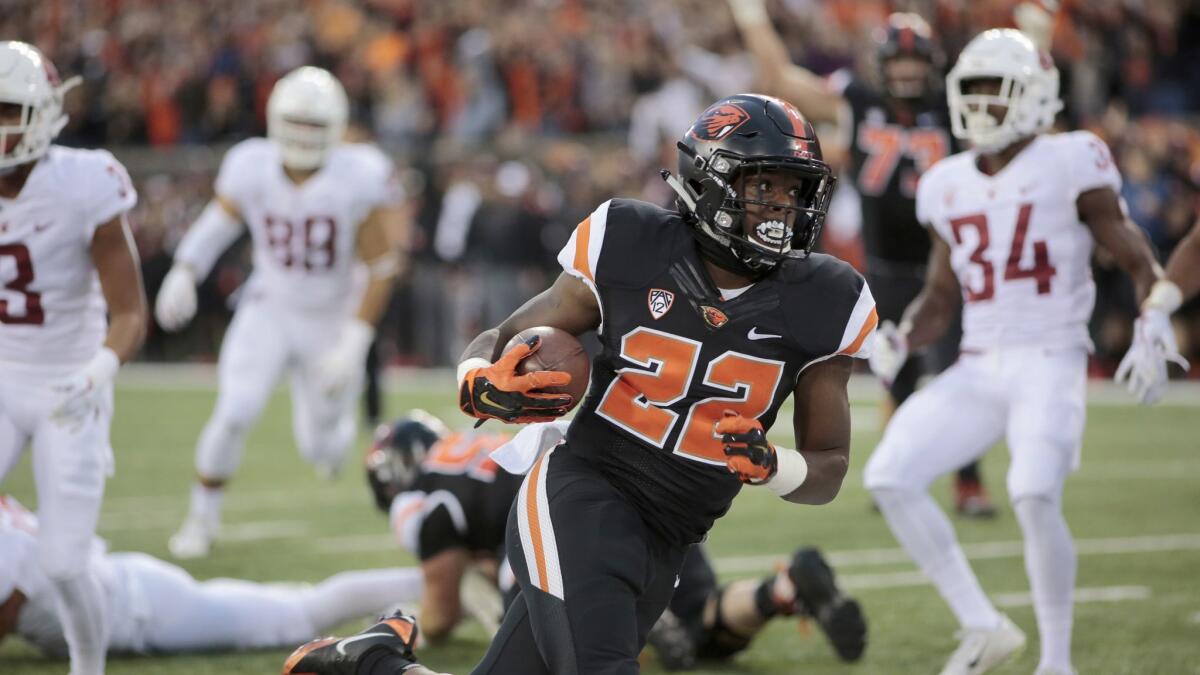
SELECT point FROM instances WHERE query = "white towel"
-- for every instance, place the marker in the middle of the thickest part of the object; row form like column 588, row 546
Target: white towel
column 519, row 454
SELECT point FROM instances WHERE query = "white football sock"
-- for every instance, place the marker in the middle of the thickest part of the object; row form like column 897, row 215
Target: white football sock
column 926, row 534
column 352, row 595
column 206, row 502
column 80, row 604
column 1050, row 564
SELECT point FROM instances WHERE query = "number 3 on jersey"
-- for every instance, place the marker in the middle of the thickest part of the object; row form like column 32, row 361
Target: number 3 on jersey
column 1041, row 271
column 638, row 399
column 32, row 314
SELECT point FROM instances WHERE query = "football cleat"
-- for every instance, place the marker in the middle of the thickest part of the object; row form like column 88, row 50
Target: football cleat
column 673, row 642
column 980, row 650
column 971, row 499
column 817, row 595
column 341, row 656
column 194, row 539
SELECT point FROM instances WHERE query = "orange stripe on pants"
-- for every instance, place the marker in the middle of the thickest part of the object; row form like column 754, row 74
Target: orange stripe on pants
column 535, row 527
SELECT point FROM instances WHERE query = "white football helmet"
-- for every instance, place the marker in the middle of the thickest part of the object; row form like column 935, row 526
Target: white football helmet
column 1028, row 90
column 306, row 116
column 29, row 80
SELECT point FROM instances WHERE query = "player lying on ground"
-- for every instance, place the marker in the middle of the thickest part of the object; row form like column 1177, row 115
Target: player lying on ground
column 1144, row 367
column 152, row 606
column 1014, row 222
column 317, row 209
column 448, row 503
column 72, row 309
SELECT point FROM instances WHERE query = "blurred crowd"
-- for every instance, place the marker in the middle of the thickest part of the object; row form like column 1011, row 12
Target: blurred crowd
column 512, row 119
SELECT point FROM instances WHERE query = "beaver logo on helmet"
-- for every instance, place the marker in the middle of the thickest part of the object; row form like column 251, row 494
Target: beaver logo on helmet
column 719, row 121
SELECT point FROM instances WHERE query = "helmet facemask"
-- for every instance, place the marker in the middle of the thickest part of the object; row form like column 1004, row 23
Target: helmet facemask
column 32, row 96
column 1001, row 69
column 306, row 116
column 727, row 200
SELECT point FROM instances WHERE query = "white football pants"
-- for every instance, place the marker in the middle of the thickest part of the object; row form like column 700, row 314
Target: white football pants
column 264, row 342
column 70, row 466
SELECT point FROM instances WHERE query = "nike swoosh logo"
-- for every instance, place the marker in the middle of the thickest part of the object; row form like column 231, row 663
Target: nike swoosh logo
column 486, row 398
column 341, row 646
column 755, row 335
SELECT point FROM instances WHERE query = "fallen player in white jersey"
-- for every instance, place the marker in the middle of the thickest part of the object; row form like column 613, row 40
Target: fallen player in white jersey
column 155, row 607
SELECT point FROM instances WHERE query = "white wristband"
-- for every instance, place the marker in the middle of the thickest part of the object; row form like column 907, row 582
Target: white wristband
column 790, row 473
column 1165, row 296
column 469, row 365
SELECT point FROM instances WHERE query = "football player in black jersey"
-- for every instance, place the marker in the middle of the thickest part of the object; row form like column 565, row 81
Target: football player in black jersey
column 893, row 133
column 709, row 316
column 448, row 504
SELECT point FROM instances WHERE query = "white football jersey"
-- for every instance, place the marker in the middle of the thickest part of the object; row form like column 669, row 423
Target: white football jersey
column 304, row 235
column 1017, row 246
column 51, row 309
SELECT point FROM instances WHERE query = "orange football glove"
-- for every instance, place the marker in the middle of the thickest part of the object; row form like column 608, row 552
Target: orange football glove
column 748, row 453
column 498, row 392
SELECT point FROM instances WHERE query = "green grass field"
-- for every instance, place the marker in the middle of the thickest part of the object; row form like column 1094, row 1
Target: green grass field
column 1133, row 508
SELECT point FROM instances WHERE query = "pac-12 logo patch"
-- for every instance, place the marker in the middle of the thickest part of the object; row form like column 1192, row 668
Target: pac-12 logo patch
column 660, row 302
column 719, row 121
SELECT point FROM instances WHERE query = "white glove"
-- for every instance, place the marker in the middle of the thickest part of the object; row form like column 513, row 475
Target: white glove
column 890, row 353
column 1144, row 368
column 749, row 12
column 339, row 366
column 176, row 302
column 79, row 395
column 1036, row 20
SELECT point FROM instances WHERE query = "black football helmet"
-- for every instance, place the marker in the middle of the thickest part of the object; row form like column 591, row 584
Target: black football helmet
column 394, row 459
column 738, row 138
column 908, row 35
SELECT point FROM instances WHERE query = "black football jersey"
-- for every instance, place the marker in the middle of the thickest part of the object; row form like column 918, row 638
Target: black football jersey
column 460, row 499
column 888, row 154
column 675, row 355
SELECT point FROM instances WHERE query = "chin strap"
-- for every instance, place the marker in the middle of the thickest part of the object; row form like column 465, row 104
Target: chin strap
column 713, row 246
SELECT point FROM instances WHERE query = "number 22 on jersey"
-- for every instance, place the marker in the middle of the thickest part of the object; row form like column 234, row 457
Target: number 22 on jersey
column 1041, row 272
column 638, row 399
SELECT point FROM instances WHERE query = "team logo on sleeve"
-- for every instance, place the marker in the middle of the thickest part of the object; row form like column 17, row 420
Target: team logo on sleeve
column 713, row 316
column 719, row 121
column 660, row 302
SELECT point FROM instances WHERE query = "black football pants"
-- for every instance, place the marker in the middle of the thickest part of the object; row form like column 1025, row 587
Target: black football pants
column 593, row 577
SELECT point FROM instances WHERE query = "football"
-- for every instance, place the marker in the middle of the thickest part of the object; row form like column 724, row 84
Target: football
column 559, row 351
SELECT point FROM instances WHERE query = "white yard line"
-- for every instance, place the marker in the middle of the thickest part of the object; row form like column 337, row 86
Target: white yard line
column 137, row 507
column 978, row 551
column 861, row 582
column 357, row 543
column 1082, row 595
column 269, row 529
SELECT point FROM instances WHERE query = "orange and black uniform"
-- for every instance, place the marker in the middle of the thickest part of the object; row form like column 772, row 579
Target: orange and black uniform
column 601, row 524
column 891, row 144
column 460, row 499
